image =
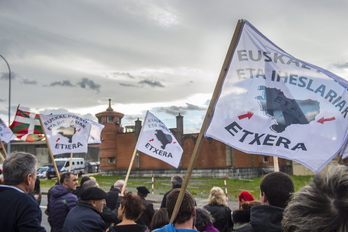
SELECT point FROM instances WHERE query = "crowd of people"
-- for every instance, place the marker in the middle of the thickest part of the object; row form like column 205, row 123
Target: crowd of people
column 321, row 205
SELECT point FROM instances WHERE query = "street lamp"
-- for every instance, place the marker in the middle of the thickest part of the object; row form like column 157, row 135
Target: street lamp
column 9, row 101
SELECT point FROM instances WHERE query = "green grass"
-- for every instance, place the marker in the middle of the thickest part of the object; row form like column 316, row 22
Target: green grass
column 200, row 187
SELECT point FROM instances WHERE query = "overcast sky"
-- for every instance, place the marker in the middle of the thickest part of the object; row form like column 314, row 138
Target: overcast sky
column 162, row 55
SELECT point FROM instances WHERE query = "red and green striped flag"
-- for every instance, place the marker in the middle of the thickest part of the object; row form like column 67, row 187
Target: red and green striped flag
column 26, row 126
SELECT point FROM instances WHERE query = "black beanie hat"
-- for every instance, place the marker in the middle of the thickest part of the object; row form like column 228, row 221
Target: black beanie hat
column 93, row 193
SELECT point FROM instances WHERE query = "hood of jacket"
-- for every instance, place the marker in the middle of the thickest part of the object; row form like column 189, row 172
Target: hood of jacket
column 59, row 190
column 266, row 218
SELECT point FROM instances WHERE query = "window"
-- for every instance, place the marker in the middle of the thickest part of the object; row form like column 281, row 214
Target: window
column 100, row 120
column 110, row 119
column 111, row 160
column 266, row 159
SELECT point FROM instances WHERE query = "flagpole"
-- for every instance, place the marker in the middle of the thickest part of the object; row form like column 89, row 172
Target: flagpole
column 276, row 164
column 3, row 148
column 71, row 155
column 49, row 150
column 342, row 150
column 128, row 172
column 216, row 93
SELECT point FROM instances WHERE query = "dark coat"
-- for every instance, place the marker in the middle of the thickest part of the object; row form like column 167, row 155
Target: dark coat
column 129, row 228
column 61, row 201
column 164, row 200
column 111, row 199
column 19, row 211
column 83, row 218
column 264, row 218
column 222, row 215
column 147, row 214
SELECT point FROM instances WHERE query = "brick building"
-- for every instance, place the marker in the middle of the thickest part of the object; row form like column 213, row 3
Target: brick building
column 118, row 145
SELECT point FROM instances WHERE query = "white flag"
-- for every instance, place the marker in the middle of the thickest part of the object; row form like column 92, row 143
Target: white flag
column 6, row 135
column 96, row 129
column 66, row 133
column 274, row 104
column 157, row 140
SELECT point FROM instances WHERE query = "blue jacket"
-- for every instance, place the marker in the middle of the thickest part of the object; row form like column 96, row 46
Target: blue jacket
column 170, row 228
column 60, row 203
column 19, row 211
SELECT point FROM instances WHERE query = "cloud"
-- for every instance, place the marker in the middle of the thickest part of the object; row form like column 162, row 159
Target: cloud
column 127, row 85
column 341, row 65
column 121, row 75
column 175, row 110
column 142, row 83
column 65, row 83
column 87, row 83
column 4, row 76
column 2, row 100
column 29, row 82
column 151, row 83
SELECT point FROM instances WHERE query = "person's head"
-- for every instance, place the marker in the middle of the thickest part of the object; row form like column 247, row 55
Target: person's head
column 19, row 168
column 249, row 204
column 69, row 181
column 131, row 207
column 321, row 205
column 142, row 191
column 84, row 179
column 119, row 184
column 217, row 197
column 95, row 197
column 276, row 189
column 176, row 180
column 244, row 196
column 187, row 208
column 203, row 218
column 159, row 219
column 90, row 184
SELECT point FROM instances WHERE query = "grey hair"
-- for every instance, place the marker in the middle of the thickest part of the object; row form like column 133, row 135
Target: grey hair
column 118, row 184
column 17, row 166
column 177, row 180
column 321, row 205
column 89, row 184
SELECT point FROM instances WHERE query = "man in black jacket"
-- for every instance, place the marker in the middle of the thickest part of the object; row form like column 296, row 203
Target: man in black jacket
column 276, row 189
column 19, row 210
column 176, row 183
column 146, row 216
column 114, row 193
column 86, row 216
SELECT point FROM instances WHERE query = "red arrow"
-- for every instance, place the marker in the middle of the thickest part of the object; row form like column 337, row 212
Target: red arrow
column 57, row 139
column 151, row 140
column 247, row 115
column 322, row 120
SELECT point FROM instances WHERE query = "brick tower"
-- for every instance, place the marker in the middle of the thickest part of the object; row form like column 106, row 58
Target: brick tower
column 108, row 148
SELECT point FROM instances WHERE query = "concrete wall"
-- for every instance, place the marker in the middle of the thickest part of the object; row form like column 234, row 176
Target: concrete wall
column 238, row 173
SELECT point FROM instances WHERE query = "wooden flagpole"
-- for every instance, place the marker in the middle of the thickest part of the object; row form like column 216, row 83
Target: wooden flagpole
column 70, row 162
column 342, row 150
column 128, row 172
column 3, row 148
column 216, row 93
column 275, row 163
column 50, row 151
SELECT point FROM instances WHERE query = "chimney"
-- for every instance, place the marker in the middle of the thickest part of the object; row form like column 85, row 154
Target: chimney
column 179, row 128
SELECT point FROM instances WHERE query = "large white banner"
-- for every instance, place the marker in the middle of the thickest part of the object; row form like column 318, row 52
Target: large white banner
column 66, row 133
column 6, row 135
column 157, row 140
column 274, row 104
